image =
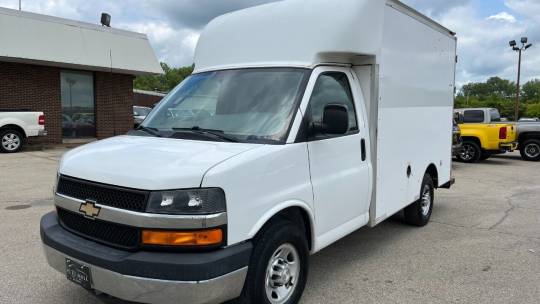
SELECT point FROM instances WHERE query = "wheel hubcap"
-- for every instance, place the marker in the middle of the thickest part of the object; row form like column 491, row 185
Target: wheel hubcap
column 282, row 274
column 425, row 200
column 11, row 141
column 467, row 152
column 532, row 150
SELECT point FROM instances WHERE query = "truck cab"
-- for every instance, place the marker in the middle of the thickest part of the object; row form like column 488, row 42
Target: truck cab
column 278, row 145
column 484, row 134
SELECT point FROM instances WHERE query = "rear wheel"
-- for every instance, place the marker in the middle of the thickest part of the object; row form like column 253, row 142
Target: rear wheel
column 11, row 141
column 419, row 212
column 470, row 152
column 278, row 269
column 530, row 150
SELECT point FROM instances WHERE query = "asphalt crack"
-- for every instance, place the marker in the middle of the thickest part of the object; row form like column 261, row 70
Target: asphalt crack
column 486, row 230
column 506, row 214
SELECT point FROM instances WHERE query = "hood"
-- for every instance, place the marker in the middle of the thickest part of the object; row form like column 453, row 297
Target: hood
column 148, row 163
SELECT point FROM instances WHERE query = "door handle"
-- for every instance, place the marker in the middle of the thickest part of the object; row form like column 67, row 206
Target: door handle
column 363, row 147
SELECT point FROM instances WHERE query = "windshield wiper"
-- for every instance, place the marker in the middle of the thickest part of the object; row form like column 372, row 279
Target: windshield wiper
column 208, row 132
column 150, row 130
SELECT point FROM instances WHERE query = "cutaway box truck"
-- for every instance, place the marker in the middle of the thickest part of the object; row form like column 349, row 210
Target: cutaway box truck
column 303, row 121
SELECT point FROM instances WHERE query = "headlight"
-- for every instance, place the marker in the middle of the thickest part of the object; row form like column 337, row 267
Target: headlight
column 188, row 202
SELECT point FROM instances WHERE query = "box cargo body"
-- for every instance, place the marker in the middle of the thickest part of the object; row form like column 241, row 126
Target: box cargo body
column 404, row 63
column 410, row 108
column 303, row 122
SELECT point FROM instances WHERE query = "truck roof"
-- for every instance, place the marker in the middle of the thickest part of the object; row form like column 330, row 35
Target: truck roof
column 478, row 109
column 292, row 33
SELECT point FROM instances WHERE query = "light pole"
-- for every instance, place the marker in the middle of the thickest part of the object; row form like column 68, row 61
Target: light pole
column 524, row 46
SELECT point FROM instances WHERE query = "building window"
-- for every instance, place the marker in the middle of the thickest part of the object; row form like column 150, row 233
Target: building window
column 78, row 117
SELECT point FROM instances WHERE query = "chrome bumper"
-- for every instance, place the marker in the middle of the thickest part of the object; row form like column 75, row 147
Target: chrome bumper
column 42, row 133
column 145, row 290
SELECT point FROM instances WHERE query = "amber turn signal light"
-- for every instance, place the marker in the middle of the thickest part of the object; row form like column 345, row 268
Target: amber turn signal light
column 182, row 238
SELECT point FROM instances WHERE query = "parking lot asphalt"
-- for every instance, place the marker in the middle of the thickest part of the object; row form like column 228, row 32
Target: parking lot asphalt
column 482, row 245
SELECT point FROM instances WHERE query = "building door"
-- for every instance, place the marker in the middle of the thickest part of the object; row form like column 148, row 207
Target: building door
column 78, row 117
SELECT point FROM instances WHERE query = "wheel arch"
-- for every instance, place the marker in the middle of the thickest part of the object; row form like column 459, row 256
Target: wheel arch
column 434, row 173
column 14, row 127
column 295, row 211
column 528, row 135
column 473, row 139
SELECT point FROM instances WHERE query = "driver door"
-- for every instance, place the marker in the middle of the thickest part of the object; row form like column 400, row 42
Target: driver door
column 339, row 166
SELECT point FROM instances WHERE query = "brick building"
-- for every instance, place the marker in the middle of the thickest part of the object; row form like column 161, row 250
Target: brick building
column 80, row 75
column 146, row 98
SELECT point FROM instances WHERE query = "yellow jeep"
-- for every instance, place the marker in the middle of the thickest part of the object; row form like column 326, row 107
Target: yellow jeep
column 484, row 134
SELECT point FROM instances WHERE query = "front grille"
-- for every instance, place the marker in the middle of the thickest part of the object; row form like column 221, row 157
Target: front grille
column 112, row 234
column 117, row 197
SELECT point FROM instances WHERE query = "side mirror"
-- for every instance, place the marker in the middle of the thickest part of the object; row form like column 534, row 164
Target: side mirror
column 335, row 120
column 460, row 119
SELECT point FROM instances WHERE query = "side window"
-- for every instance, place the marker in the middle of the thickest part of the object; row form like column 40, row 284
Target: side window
column 473, row 116
column 495, row 115
column 332, row 88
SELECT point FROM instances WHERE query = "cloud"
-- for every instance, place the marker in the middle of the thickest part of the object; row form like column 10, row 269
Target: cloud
column 529, row 8
column 434, row 8
column 173, row 27
column 175, row 46
column 196, row 14
column 503, row 16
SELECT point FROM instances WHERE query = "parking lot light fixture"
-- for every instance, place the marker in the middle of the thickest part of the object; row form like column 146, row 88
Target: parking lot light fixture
column 515, row 47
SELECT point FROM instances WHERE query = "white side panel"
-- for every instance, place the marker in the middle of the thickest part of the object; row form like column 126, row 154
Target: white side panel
column 28, row 121
column 259, row 184
column 415, row 110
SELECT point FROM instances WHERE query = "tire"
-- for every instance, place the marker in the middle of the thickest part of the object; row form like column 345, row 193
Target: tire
column 470, row 152
column 419, row 212
column 271, row 248
column 11, row 141
column 485, row 156
column 530, row 150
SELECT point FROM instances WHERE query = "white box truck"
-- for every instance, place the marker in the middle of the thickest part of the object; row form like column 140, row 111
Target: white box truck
column 303, row 121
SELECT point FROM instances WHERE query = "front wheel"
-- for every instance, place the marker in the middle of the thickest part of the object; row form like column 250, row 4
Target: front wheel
column 419, row 212
column 530, row 150
column 279, row 266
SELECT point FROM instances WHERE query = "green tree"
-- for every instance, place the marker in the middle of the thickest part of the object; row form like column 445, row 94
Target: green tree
column 493, row 87
column 533, row 110
column 531, row 91
column 165, row 82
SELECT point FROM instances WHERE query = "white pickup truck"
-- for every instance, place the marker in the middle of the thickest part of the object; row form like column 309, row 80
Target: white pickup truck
column 294, row 130
column 16, row 126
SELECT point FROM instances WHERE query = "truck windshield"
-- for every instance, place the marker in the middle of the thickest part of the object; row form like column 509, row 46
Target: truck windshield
column 247, row 105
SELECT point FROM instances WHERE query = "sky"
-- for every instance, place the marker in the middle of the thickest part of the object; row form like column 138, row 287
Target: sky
column 483, row 27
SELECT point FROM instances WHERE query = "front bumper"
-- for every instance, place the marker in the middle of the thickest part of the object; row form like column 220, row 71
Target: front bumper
column 150, row 277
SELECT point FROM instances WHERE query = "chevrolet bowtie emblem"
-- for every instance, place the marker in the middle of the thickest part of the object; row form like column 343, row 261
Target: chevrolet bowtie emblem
column 89, row 209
